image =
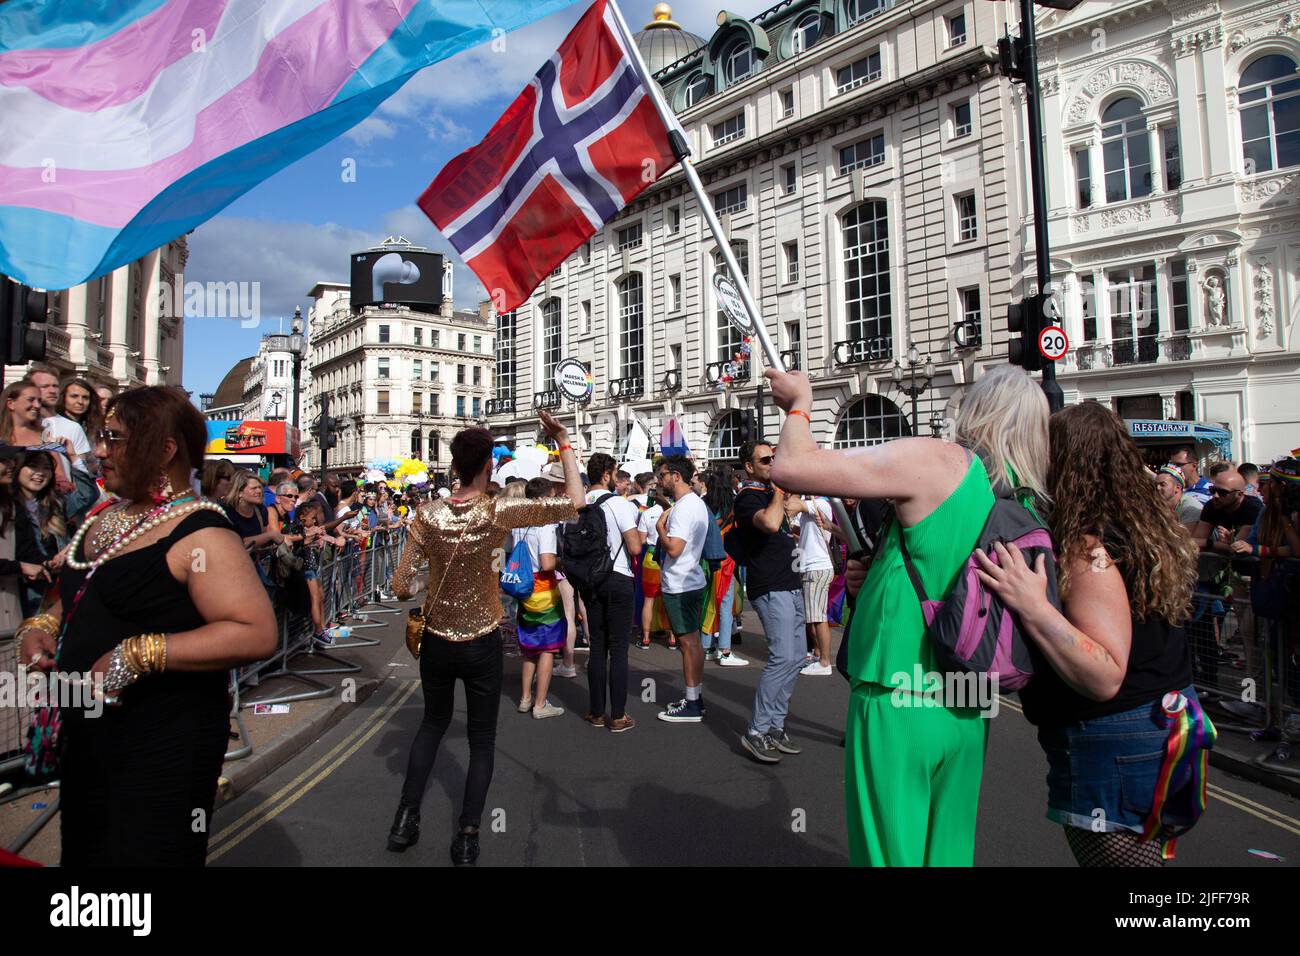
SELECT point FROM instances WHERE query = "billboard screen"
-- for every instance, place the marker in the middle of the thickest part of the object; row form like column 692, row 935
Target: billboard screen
column 253, row 438
column 408, row 278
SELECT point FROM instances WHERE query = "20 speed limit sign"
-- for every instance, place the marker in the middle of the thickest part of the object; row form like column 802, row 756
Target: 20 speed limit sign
column 1053, row 343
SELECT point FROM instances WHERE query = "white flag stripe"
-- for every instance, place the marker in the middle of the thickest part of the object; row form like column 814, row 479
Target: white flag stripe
column 160, row 121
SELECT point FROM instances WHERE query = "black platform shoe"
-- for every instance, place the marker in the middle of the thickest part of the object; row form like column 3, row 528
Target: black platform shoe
column 464, row 849
column 406, row 829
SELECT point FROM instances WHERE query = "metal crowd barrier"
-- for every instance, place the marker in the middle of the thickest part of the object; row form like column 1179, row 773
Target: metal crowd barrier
column 1245, row 665
column 13, row 720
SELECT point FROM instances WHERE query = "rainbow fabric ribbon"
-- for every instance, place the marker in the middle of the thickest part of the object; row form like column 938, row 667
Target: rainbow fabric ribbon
column 1182, row 781
column 541, row 622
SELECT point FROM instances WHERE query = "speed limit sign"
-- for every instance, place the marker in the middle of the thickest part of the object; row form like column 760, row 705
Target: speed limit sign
column 1053, row 343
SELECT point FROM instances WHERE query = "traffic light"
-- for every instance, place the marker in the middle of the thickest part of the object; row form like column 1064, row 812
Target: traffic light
column 23, row 312
column 1024, row 322
column 748, row 427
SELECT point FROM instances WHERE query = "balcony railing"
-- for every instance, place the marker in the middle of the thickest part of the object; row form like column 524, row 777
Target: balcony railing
column 1178, row 349
column 718, row 372
column 499, row 406
column 967, row 335
column 622, row 389
column 548, row 399
column 1142, row 350
column 59, row 341
column 672, row 380
column 792, row 360
column 857, row 351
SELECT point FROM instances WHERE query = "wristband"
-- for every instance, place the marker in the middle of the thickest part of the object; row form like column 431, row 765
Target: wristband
column 1263, row 551
column 563, row 448
column 804, row 415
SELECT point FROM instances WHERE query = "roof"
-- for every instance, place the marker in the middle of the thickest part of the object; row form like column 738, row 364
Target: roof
column 231, row 389
column 663, row 41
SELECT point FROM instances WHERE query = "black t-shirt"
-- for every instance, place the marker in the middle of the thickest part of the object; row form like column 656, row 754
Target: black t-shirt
column 1217, row 515
column 251, row 526
column 770, row 563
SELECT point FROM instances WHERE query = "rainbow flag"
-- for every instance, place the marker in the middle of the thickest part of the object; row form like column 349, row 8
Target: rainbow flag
column 541, row 622
column 129, row 123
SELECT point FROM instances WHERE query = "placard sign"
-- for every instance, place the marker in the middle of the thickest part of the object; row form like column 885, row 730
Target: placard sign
column 573, row 380
column 732, row 304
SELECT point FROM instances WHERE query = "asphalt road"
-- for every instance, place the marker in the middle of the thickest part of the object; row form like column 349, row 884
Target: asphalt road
column 566, row 794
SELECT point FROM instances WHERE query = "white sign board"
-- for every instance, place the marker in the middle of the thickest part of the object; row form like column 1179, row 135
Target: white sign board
column 573, row 380
column 730, row 302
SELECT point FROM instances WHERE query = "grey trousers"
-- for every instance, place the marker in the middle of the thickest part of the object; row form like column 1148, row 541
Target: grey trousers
column 782, row 615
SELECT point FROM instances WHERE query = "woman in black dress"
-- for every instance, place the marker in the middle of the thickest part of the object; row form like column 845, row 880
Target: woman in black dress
column 158, row 599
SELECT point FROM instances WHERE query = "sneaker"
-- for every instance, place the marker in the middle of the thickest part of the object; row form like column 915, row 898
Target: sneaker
column 643, row 644
column 547, row 710
column 596, row 720
column 712, row 655
column 683, row 712
column 782, row 742
column 672, row 643
column 323, row 639
column 1244, row 709
column 733, row 660
column 525, row 704
column 620, row 724
column 817, row 669
column 760, row 747
column 563, row 671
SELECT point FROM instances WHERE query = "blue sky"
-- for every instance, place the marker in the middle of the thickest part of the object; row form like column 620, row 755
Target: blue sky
column 298, row 227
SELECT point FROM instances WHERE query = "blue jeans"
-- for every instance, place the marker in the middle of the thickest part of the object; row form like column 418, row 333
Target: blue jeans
column 725, row 622
column 781, row 613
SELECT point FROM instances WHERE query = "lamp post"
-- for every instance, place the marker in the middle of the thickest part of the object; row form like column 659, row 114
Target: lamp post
column 913, row 389
column 277, row 399
column 297, row 345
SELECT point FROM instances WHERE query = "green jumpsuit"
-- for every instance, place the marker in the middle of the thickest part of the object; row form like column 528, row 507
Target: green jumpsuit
column 912, row 772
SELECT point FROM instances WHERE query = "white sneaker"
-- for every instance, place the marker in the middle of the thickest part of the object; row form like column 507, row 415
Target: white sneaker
column 732, row 660
column 525, row 705
column 547, row 710
column 562, row 671
column 817, row 669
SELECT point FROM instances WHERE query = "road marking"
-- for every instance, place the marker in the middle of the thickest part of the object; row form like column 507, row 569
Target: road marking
column 331, row 762
column 1222, row 794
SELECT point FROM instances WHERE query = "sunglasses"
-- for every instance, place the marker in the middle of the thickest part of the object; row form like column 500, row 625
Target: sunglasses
column 109, row 438
column 1222, row 492
column 765, row 460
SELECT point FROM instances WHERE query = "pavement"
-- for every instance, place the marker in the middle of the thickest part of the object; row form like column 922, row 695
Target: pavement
column 321, row 784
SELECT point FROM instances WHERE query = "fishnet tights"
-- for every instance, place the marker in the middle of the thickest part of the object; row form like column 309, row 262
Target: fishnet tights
column 1121, row 848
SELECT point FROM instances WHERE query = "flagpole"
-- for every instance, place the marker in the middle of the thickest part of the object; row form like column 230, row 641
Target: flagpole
column 682, row 149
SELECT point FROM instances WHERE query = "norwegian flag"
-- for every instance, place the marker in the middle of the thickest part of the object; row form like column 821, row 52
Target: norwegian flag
column 579, row 143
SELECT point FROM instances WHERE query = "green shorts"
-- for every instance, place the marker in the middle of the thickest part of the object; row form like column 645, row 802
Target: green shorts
column 685, row 611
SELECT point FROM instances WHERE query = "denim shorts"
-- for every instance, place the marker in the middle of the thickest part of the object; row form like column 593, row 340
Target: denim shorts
column 1102, row 773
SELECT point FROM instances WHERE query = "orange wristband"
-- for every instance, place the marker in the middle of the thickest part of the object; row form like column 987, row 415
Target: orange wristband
column 564, row 448
column 804, row 415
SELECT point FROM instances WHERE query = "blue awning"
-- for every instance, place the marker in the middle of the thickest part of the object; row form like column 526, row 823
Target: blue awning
column 1218, row 436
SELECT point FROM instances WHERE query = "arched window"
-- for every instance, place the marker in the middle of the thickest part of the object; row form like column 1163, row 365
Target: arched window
column 859, row 10
column 550, row 341
column 696, row 89
column 505, row 347
column 725, row 442
column 871, row 420
column 866, row 274
column 738, row 63
column 1270, row 114
column 631, row 326
column 730, row 338
column 417, row 445
column 805, row 33
column 1126, row 150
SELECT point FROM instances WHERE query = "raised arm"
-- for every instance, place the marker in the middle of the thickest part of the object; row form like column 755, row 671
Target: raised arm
column 568, row 460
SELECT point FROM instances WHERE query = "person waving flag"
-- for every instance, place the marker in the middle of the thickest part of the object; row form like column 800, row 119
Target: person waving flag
column 582, row 140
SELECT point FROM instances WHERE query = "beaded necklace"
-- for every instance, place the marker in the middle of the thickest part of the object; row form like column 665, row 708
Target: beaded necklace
column 147, row 523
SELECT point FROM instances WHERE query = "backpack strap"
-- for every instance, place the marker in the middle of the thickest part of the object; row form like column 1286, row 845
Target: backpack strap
column 912, row 574
column 600, row 503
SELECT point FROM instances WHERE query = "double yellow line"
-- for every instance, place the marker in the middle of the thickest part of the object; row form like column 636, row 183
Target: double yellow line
column 1230, row 797
column 266, row 811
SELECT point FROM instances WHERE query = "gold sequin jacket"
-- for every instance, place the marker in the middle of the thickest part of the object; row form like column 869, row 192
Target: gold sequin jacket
column 462, row 543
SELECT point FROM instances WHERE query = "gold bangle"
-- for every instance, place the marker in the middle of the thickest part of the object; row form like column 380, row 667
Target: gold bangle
column 131, row 655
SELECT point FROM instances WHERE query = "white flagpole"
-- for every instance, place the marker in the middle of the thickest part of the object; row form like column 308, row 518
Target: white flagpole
column 683, row 151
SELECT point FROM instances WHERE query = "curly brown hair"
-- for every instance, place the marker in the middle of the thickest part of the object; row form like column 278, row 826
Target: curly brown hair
column 1101, row 488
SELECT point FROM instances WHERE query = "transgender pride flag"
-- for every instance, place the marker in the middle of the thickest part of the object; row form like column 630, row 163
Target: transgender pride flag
column 126, row 124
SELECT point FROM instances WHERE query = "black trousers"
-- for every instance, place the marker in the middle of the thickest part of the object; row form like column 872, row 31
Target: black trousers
column 609, row 612
column 477, row 664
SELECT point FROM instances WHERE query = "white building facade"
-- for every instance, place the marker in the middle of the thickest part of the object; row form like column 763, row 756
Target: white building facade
column 123, row 329
column 401, row 381
column 268, row 388
column 1173, row 153
column 861, row 157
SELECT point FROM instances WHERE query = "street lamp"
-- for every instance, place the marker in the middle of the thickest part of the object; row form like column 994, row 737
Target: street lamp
column 277, row 399
column 297, row 345
column 913, row 388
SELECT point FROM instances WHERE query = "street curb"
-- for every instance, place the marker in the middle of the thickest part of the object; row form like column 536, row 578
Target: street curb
column 247, row 773
column 1248, row 769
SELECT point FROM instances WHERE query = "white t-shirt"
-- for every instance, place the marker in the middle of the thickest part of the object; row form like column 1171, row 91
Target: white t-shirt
column 56, row 428
column 688, row 519
column 814, row 543
column 649, row 524
column 620, row 516
column 540, row 541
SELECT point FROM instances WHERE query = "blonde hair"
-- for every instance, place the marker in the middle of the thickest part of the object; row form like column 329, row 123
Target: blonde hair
column 1005, row 415
column 514, row 489
column 238, row 482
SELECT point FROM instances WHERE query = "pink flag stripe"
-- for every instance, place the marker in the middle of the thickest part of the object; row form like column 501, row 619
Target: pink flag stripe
column 299, row 74
column 119, row 67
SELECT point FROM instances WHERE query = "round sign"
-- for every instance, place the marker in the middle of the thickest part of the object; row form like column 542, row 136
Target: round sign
column 573, row 380
column 1053, row 343
column 732, row 304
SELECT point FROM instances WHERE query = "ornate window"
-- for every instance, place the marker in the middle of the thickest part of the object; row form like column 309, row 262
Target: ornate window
column 866, row 272
column 1270, row 114
column 505, row 349
column 730, row 338
column 631, row 326
column 871, row 420
column 551, row 345
column 696, row 89
column 859, row 10
column 805, row 33
column 738, row 63
column 727, row 437
column 1126, row 150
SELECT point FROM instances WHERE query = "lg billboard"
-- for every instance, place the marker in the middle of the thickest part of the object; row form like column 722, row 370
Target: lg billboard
column 413, row 279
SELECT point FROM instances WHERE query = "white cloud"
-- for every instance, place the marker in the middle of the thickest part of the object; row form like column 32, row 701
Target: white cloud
column 371, row 129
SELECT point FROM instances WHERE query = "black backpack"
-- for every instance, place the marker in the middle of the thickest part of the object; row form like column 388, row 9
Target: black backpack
column 584, row 547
